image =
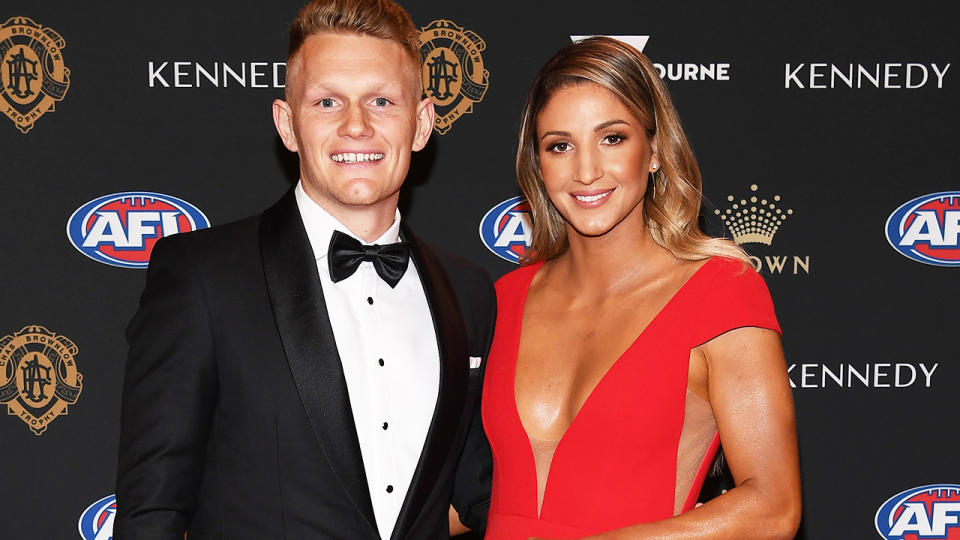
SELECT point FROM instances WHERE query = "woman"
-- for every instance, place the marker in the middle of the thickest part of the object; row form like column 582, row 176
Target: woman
column 644, row 342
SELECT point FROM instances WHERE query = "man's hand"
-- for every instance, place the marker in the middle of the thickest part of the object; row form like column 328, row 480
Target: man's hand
column 455, row 526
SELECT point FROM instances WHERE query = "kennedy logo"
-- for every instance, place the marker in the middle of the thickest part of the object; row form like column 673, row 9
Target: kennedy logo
column 886, row 76
column 38, row 376
column 845, row 376
column 121, row 229
column 169, row 74
column 927, row 229
column 506, row 229
column 96, row 522
column 452, row 70
column 32, row 71
column 921, row 513
column 683, row 71
column 755, row 219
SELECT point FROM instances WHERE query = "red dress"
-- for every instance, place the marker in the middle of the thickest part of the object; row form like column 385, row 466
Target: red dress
column 616, row 465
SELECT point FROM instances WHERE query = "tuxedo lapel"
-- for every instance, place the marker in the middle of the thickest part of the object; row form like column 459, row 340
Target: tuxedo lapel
column 454, row 381
column 300, row 313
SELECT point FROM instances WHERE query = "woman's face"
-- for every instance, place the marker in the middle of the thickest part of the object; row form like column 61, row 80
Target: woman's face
column 594, row 159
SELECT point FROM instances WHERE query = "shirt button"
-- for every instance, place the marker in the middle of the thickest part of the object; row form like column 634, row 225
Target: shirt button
column 380, row 361
column 385, row 426
column 389, row 489
column 370, row 300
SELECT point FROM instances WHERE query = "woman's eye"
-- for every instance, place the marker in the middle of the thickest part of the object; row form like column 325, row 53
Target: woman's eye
column 326, row 102
column 381, row 102
column 613, row 139
column 558, row 147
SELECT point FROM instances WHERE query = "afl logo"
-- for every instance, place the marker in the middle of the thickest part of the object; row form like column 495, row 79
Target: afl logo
column 96, row 522
column 927, row 229
column 121, row 229
column 920, row 513
column 506, row 229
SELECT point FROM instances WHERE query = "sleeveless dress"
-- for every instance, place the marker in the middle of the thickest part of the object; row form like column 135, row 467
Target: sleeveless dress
column 616, row 465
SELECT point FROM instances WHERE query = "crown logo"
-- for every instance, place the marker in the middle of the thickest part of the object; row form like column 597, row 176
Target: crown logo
column 753, row 221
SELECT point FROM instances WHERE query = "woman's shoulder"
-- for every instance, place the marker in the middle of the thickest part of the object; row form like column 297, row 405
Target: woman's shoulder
column 731, row 273
column 519, row 279
column 732, row 294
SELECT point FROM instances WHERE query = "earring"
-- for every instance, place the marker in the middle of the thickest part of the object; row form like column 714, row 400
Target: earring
column 657, row 180
column 653, row 178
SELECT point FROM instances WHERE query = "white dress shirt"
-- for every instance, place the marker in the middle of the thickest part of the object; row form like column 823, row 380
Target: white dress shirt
column 388, row 348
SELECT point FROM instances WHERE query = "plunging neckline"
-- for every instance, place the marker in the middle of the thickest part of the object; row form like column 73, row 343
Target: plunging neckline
column 512, row 376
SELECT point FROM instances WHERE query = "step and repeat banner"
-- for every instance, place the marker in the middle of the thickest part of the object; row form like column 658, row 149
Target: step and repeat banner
column 834, row 126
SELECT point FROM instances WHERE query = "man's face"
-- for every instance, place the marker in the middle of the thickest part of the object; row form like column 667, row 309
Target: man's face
column 353, row 114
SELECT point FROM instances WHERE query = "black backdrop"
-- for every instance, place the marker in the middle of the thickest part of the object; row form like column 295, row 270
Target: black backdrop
column 842, row 156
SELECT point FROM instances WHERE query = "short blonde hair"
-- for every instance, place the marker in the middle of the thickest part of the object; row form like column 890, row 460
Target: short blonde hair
column 382, row 19
column 671, row 205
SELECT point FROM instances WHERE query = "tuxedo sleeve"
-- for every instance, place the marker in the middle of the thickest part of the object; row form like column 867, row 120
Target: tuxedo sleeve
column 168, row 399
column 471, row 494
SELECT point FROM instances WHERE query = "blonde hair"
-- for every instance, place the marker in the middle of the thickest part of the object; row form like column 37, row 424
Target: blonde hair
column 382, row 19
column 671, row 205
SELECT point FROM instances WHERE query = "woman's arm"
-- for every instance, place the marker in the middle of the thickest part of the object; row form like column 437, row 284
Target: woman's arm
column 751, row 399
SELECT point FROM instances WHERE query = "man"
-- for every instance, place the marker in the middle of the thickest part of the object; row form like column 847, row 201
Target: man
column 288, row 378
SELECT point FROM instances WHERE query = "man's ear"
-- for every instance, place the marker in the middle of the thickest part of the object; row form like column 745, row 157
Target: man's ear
column 283, row 121
column 425, row 117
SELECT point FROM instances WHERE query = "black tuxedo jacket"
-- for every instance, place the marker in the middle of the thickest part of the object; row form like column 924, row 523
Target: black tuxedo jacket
column 236, row 421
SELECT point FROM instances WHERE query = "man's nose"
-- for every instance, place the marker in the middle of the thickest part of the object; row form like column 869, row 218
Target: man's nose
column 356, row 123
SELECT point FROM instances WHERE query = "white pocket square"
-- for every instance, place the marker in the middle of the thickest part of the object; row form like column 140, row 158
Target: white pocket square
column 474, row 362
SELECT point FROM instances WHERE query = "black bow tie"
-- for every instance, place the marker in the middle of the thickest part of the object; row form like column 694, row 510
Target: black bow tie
column 346, row 253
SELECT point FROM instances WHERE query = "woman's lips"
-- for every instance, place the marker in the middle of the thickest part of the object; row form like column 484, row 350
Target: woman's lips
column 591, row 198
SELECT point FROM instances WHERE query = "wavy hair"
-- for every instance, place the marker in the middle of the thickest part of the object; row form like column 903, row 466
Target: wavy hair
column 671, row 205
